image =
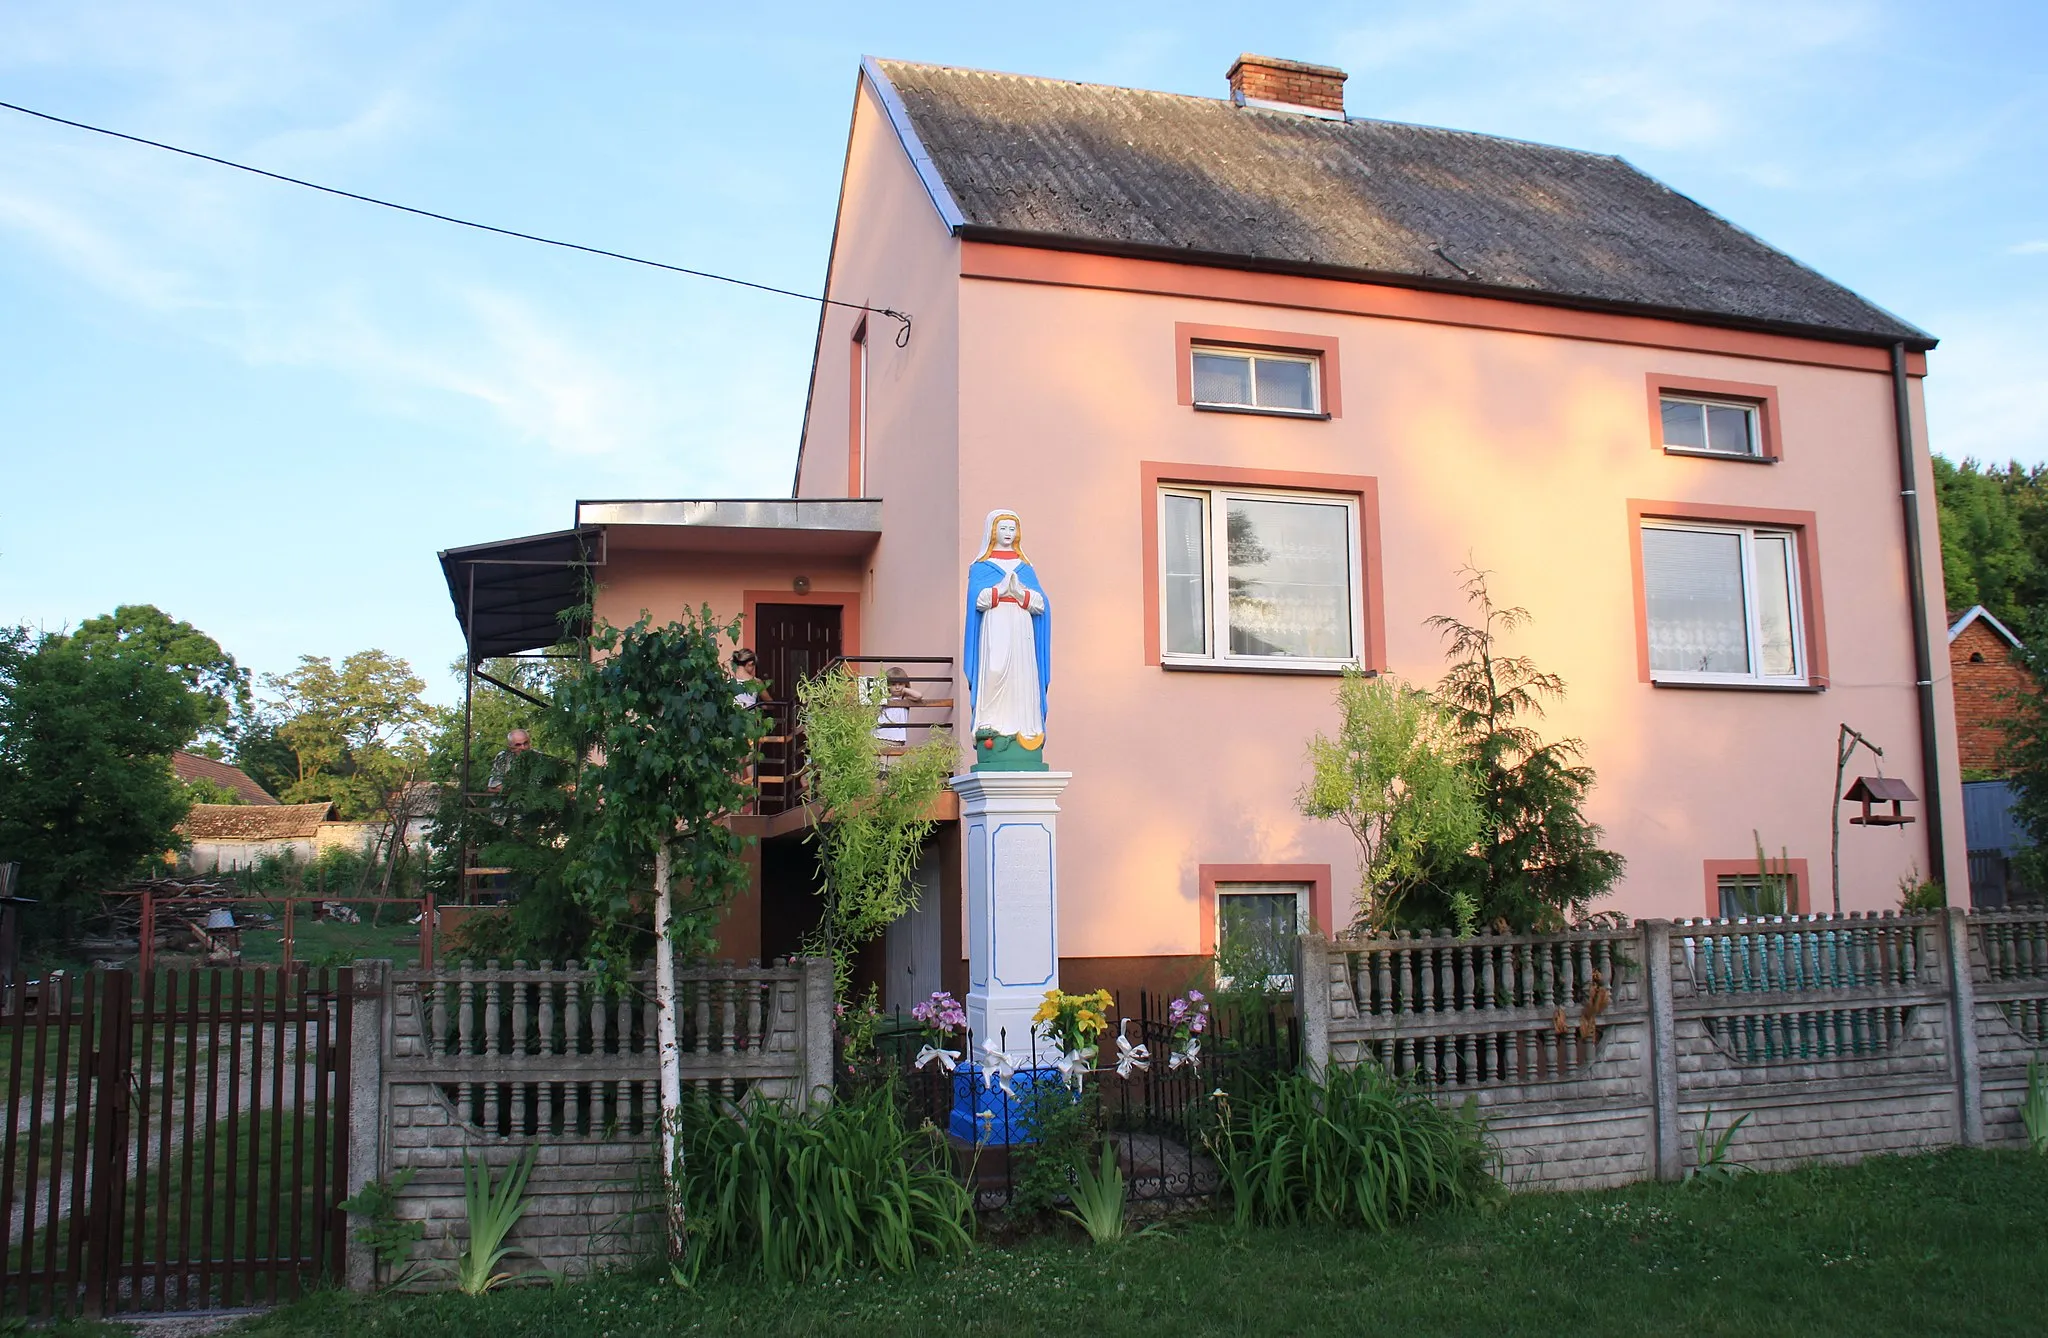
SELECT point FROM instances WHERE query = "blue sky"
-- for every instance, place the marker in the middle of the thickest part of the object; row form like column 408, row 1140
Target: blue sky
column 265, row 410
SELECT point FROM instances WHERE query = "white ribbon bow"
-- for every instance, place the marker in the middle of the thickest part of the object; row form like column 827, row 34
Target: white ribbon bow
column 1073, row 1066
column 1129, row 1057
column 1191, row 1056
column 1002, row 1064
column 947, row 1058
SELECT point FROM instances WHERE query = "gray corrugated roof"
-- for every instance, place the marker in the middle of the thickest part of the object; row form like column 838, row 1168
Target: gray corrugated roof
column 1091, row 166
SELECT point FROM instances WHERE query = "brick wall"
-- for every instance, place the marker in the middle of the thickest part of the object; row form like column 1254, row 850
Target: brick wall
column 1267, row 79
column 1983, row 672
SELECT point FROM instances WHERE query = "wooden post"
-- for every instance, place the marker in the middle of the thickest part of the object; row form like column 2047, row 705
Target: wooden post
column 289, row 902
column 428, row 914
column 147, row 955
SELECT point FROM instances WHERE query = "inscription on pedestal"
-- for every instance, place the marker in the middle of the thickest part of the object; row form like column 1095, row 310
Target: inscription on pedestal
column 1023, row 905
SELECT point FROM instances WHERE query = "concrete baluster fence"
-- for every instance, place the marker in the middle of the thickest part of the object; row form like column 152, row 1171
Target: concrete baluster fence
column 1597, row 1058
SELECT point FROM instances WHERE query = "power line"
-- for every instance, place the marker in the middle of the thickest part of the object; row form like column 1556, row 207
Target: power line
column 903, row 328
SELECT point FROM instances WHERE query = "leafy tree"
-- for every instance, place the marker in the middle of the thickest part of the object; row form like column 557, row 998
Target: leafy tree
column 665, row 748
column 220, row 685
column 495, row 713
column 1994, row 536
column 1538, row 863
column 261, row 754
column 354, row 730
column 86, row 734
column 200, row 790
column 1395, row 776
column 875, row 811
column 2024, row 754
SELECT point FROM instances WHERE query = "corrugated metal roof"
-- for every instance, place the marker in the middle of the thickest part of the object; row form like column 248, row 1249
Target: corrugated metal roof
column 1097, row 167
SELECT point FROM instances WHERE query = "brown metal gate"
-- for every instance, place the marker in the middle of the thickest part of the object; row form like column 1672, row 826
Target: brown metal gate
column 175, row 1141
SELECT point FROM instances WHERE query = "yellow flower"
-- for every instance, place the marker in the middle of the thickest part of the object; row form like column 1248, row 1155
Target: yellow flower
column 1047, row 1011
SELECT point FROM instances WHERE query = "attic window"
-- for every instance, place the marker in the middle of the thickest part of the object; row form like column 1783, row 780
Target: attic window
column 1256, row 381
column 1712, row 427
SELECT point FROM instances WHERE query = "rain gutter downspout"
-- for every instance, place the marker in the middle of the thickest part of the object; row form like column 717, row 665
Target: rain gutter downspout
column 1916, row 584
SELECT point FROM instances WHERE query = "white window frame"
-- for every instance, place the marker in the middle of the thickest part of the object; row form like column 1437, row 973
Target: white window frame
column 1224, row 891
column 1753, row 627
column 1752, row 411
column 1256, row 356
column 1216, row 585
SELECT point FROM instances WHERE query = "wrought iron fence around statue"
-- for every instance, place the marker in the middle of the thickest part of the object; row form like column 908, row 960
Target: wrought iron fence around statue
column 1151, row 1099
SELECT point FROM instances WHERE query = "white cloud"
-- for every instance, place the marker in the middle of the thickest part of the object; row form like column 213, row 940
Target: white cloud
column 2033, row 248
column 1984, row 388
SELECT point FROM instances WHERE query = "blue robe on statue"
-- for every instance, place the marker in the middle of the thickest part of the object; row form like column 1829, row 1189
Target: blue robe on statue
column 986, row 574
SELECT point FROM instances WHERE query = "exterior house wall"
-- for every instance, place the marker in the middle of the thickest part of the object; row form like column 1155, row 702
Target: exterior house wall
column 891, row 250
column 663, row 583
column 1985, row 675
column 228, row 856
column 1515, row 451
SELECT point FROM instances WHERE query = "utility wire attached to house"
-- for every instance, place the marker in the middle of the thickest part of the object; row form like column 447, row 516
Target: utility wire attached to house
column 902, row 319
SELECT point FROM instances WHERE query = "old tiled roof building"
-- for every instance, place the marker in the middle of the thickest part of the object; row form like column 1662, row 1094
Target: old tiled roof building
column 1986, row 674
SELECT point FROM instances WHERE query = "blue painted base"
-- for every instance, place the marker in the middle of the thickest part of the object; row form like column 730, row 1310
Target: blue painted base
column 986, row 1114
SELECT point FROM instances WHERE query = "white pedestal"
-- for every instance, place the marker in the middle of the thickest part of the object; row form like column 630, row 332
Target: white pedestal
column 1009, row 822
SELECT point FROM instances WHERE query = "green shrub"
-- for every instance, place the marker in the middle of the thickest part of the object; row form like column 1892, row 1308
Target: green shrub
column 1355, row 1147
column 792, row 1195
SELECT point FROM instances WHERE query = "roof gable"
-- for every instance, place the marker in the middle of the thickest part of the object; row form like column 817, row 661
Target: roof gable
column 1048, row 162
column 1979, row 614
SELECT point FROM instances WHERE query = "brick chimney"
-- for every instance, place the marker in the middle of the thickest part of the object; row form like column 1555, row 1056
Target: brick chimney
column 1287, row 85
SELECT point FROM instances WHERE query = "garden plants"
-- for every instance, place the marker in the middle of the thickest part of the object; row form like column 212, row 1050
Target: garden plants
column 493, row 1209
column 794, row 1195
column 1710, row 1159
column 1352, row 1147
column 1098, row 1198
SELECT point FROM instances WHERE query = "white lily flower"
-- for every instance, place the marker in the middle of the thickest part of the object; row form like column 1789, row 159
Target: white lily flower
column 948, row 1059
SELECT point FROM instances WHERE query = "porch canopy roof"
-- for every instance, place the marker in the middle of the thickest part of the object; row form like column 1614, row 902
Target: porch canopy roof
column 510, row 595
column 775, row 526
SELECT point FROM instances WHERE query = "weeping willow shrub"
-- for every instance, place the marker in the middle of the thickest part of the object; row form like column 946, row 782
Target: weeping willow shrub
column 793, row 1196
column 1356, row 1148
column 876, row 810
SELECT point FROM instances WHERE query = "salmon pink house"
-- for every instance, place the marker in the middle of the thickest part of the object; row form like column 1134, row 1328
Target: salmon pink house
column 1257, row 379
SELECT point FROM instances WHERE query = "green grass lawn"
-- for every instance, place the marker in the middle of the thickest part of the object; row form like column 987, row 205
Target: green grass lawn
column 1955, row 1243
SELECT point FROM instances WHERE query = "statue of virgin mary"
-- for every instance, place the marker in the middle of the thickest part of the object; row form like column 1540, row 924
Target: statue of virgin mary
column 1008, row 655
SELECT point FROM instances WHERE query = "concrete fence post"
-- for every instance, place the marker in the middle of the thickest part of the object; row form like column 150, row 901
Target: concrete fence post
column 1662, row 1051
column 369, row 1006
column 1312, row 1000
column 816, row 1034
column 1962, row 1010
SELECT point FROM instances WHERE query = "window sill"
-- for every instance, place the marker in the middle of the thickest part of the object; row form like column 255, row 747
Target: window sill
column 1737, row 687
column 1211, row 667
column 1260, row 413
column 1721, row 455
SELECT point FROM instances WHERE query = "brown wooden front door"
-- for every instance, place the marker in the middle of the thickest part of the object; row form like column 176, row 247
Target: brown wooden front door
column 793, row 642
